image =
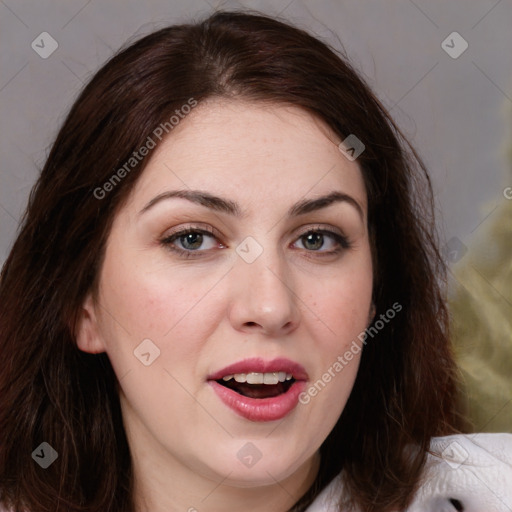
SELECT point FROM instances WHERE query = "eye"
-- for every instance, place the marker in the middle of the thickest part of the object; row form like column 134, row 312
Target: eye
column 323, row 241
column 190, row 240
column 194, row 241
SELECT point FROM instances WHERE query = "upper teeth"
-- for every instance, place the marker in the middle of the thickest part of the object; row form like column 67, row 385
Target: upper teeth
column 259, row 378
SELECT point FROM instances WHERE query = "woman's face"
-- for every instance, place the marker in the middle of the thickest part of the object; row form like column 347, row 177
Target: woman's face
column 268, row 280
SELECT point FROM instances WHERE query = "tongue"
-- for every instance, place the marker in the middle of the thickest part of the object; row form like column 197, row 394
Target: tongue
column 258, row 390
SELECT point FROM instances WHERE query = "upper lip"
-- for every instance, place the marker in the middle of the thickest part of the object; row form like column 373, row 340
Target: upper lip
column 259, row 365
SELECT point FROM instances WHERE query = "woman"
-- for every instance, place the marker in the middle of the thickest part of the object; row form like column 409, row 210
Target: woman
column 224, row 294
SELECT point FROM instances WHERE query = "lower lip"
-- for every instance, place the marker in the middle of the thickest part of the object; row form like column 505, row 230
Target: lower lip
column 260, row 409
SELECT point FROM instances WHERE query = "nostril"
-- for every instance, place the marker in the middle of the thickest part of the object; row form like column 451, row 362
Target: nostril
column 457, row 505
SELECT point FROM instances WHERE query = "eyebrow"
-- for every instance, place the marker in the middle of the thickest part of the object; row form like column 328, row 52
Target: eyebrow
column 227, row 206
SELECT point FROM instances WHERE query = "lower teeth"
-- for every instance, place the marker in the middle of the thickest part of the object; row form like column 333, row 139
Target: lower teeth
column 258, row 390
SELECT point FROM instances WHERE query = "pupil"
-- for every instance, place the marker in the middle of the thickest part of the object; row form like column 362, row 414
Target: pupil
column 316, row 239
column 194, row 239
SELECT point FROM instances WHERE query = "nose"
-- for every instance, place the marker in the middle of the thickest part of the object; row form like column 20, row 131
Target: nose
column 263, row 299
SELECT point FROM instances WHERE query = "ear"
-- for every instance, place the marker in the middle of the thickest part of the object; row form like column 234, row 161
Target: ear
column 87, row 332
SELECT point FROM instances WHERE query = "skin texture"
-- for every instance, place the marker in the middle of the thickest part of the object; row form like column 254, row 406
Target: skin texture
column 214, row 309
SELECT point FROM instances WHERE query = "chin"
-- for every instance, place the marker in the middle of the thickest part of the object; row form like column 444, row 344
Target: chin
column 256, row 478
column 252, row 468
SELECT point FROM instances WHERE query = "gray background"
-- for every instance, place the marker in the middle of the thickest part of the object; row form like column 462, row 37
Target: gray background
column 457, row 112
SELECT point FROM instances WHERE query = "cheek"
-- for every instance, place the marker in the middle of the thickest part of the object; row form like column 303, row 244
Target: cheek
column 337, row 334
column 153, row 302
column 341, row 309
column 170, row 307
column 342, row 304
column 167, row 310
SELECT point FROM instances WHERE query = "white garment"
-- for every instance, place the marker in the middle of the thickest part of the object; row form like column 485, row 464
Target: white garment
column 473, row 470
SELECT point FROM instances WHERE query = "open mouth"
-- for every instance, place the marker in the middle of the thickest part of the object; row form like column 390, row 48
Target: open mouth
column 258, row 389
column 258, row 385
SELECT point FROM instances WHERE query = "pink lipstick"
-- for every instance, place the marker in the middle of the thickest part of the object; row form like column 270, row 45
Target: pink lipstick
column 260, row 390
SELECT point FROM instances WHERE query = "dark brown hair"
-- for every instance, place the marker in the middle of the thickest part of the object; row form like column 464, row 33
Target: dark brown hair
column 50, row 391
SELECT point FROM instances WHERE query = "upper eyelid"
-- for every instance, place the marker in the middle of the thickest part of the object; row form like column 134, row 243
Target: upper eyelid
column 193, row 227
column 215, row 232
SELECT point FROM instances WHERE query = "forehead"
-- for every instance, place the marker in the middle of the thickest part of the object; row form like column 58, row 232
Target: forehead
column 251, row 150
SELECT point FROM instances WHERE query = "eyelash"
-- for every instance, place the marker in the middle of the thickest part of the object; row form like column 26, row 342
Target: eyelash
column 342, row 241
